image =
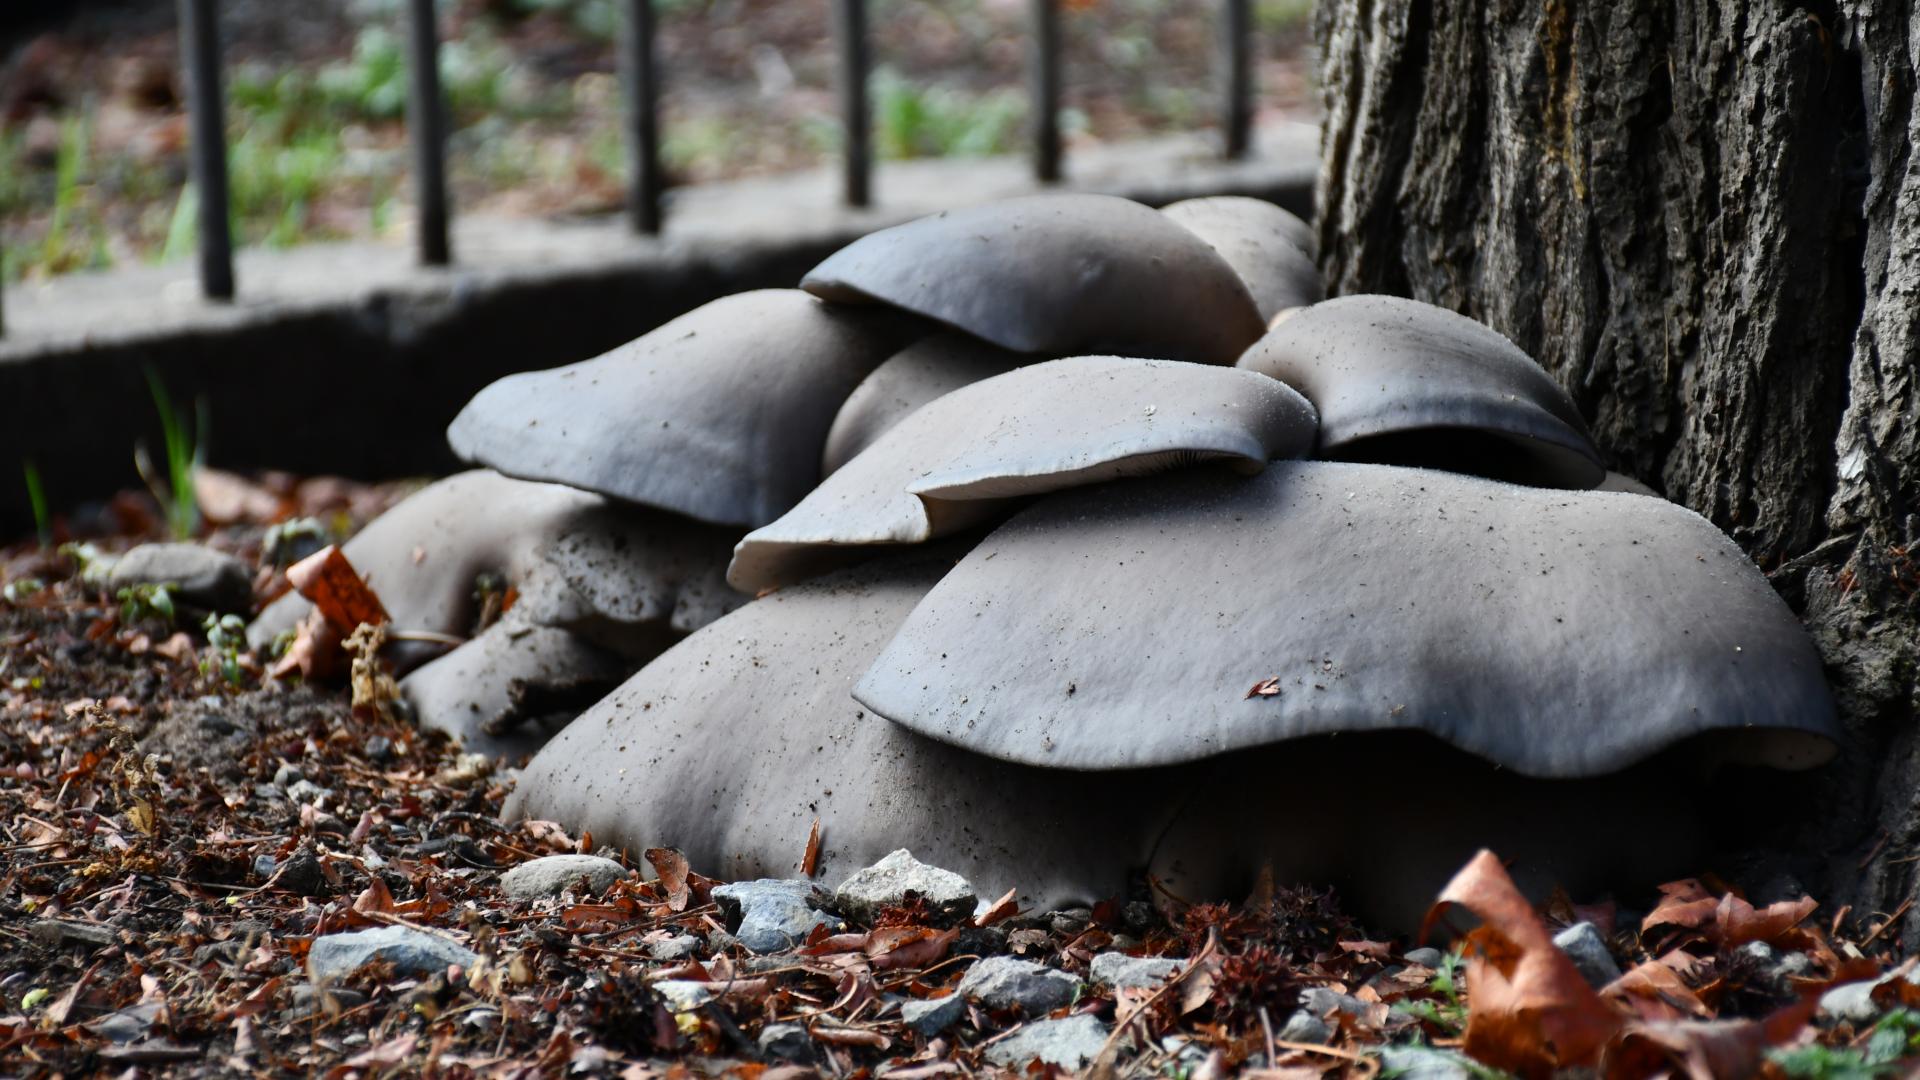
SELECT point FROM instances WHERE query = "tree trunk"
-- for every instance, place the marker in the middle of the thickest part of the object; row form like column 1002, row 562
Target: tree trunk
column 1703, row 217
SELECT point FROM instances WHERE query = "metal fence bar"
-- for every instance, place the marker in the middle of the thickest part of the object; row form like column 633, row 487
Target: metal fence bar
column 1236, row 67
column 850, row 30
column 426, row 122
column 640, row 65
column 200, row 55
column 1045, row 90
column 3, row 287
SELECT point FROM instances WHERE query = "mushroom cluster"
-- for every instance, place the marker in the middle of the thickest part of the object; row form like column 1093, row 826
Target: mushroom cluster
column 1069, row 567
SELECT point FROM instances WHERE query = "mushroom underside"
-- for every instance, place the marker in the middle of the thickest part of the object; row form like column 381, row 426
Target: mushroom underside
column 1150, row 622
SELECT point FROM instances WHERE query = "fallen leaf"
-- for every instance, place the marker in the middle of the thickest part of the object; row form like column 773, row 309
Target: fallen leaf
column 810, row 862
column 1528, row 1008
column 671, row 866
column 1269, row 687
column 336, row 590
column 1003, row 908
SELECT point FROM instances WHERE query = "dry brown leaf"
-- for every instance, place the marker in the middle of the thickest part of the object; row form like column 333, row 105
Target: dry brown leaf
column 336, row 590
column 1003, row 908
column 225, row 498
column 1656, row 991
column 315, row 652
column 897, row 947
column 1529, row 1010
column 671, row 866
column 1703, row 1050
column 810, row 862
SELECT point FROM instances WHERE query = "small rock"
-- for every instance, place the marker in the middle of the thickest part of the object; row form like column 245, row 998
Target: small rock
column 1114, row 969
column 410, row 951
column 1426, row 1063
column 301, row 874
column 308, row 999
column 1426, row 957
column 1070, row 923
column 1588, row 950
column 886, row 884
column 553, row 874
column 1139, row 917
column 125, row 1025
column 200, row 576
column 788, row 1041
column 774, row 914
column 979, row 941
column 230, row 951
column 677, row 947
column 1854, row 1002
column 932, row 1016
column 1791, row 965
column 306, row 791
column 378, row 748
column 1758, row 951
column 1304, row 1027
column 286, row 774
column 684, row 995
column 216, row 725
column 54, row 933
column 1321, row 1001
column 1003, row 982
column 263, row 866
column 1071, row 1043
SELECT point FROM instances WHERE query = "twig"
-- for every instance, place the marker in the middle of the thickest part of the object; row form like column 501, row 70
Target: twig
column 1891, row 919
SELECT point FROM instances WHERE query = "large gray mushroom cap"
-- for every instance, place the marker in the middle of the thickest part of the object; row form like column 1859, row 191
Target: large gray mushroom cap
column 1560, row 634
column 508, row 690
column 622, row 575
column 1053, row 425
column 936, row 365
column 1269, row 248
column 720, row 414
column 1406, row 383
column 1054, row 274
column 734, row 742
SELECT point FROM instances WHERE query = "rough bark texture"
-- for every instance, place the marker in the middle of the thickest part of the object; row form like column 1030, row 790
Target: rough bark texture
column 1703, row 218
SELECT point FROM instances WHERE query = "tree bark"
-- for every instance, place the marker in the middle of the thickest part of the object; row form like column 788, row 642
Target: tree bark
column 1704, row 219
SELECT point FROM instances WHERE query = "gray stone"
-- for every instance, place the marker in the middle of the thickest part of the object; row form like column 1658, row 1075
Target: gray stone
column 1071, row 1043
column 1071, row 922
column 684, row 995
column 886, row 884
column 1426, row 957
column 1584, row 945
column 1321, row 1001
column 1416, row 1062
column 410, row 951
column 677, row 947
column 1304, row 1027
column 774, row 914
column 1114, row 970
column 1853, row 1001
column 1003, row 982
column 554, row 874
column 306, row 791
column 287, row 774
column 196, row 575
column 932, row 1016
column 788, row 1041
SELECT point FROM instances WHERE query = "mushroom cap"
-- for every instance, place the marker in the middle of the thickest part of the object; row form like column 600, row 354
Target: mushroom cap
column 719, row 415
column 539, row 676
column 619, row 574
column 1054, row 274
column 1269, row 248
column 937, row 364
column 733, row 743
column 1053, row 425
column 1560, row 634
column 1405, row 383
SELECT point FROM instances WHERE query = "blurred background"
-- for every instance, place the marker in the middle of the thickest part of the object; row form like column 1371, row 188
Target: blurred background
column 93, row 156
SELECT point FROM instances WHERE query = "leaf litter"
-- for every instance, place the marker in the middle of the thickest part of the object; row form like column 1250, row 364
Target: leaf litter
column 174, row 841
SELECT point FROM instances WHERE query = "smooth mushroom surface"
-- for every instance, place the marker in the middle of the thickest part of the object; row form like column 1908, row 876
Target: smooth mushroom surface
column 1404, row 383
column 627, row 577
column 1063, row 423
column 1271, row 249
column 1559, row 634
column 731, row 745
column 508, row 690
column 937, row 364
column 720, row 414
column 1054, row 274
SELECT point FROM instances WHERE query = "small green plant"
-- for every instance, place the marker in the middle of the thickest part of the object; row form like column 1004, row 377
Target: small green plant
column 1895, row 1038
column 20, row 588
column 1445, row 1010
column 139, row 603
column 184, row 449
column 93, row 565
column 914, row 121
column 226, row 640
column 37, row 499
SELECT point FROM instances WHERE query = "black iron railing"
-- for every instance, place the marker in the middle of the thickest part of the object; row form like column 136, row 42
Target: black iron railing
column 427, row 130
